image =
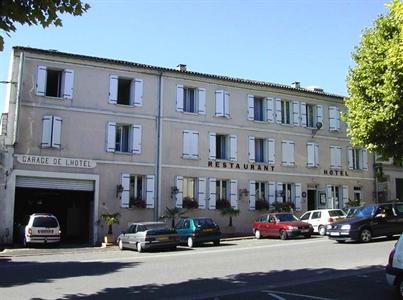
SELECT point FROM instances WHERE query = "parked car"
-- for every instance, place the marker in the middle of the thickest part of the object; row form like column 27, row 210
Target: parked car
column 394, row 268
column 195, row 230
column 350, row 211
column 368, row 221
column 42, row 228
column 320, row 218
column 283, row 225
column 148, row 235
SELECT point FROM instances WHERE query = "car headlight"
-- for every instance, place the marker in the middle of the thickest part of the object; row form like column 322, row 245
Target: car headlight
column 345, row 227
column 292, row 228
column 329, row 227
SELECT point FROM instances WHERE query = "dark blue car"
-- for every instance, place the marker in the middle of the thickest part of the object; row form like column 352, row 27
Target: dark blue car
column 195, row 230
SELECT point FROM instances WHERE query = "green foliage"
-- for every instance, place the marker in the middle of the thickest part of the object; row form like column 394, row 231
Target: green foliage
column 110, row 219
column 34, row 12
column 283, row 206
column 261, row 204
column 230, row 212
column 375, row 87
column 172, row 214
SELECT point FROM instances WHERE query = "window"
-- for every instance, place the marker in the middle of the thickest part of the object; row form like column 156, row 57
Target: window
column 311, row 117
column 357, row 193
column 222, row 189
column 337, row 196
column 125, row 91
column 285, row 112
column 357, row 158
column 53, row 82
column 257, row 108
column 222, row 146
column 190, row 99
column 334, row 118
column 287, row 192
column 222, row 104
column 313, row 155
column 305, row 216
column 136, row 187
column 51, row 132
column 189, row 187
column 138, row 191
column 288, row 153
column 190, row 144
column 260, row 190
column 124, row 138
column 260, row 150
column 335, row 157
column 316, row 215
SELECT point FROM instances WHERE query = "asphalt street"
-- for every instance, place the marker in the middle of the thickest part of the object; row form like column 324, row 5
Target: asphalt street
column 315, row 268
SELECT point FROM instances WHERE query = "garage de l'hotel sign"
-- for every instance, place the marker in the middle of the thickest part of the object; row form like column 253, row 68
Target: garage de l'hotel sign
column 51, row 161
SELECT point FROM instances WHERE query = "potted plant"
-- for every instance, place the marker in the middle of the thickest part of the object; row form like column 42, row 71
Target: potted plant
column 230, row 212
column 261, row 204
column 189, row 203
column 222, row 203
column 110, row 219
column 138, row 203
column 172, row 214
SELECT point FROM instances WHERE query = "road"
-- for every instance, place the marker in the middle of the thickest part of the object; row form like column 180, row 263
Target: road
column 315, row 268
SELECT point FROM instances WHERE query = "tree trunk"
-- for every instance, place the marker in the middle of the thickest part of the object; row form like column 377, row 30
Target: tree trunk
column 110, row 229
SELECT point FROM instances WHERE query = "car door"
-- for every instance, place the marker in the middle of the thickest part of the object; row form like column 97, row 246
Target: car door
column 272, row 229
column 306, row 217
column 181, row 230
column 384, row 221
column 315, row 220
column 130, row 237
column 398, row 208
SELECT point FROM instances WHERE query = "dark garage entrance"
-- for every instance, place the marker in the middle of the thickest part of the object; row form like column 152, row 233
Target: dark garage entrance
column 73, row 209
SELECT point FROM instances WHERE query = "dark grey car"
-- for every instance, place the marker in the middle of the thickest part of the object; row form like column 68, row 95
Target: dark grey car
column 148, row 235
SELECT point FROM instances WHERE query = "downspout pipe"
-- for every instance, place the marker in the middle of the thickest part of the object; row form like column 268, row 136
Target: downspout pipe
column 157, row 209
column 18, row 99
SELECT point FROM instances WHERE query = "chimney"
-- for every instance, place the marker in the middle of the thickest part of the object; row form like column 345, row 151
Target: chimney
column 181, row 67
column 296, row 85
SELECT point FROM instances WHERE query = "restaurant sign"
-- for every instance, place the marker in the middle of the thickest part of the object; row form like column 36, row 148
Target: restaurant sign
column 51, row 161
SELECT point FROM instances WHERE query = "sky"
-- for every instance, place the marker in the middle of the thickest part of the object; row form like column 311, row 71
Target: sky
column 278, row 41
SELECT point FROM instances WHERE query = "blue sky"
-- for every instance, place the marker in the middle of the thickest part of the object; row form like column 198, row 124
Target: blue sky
column 277, row 41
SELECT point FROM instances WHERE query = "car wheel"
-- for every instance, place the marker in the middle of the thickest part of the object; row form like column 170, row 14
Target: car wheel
column 283, row 235
column 399, row 287
column 217, row 243
column 139, row 248
column 322, row 230
column 258, row 235
column 190, row 242
column 120, row 244
column 365, row 235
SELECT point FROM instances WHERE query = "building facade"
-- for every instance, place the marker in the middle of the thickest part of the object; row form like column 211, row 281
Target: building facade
column 93, row 135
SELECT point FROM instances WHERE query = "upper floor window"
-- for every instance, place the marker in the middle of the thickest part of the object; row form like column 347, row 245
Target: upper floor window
column 124, row 137
column 190, row 99
column 222, row 104
column 53, row 82
column 222, row 146
column 288, row 153
column 335, row 157
column 261, row 150
column 334, row 118
column 313, row 155
column 357, row 158
column 190, row 144
column 51, row 132
column 314, row 114
column 286, row 112
column 125, row 91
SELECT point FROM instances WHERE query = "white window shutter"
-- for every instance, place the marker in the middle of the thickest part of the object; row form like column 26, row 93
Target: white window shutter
column 270, row 109
column 295, row 113
column 251, row 107
column 329, row 196
column 252, row 195
column 125, row 195
column 68, row 82
column 345, row 195
column 137, row 136
column 303, row 114
column 41, row 81
column 279, row 192
column 113, row 89
column 350, row 158
column 56, row 132
column 234, row 193
column 111, row 137
column 319, row 113
column 138, row 92
column 334, row 118
column 187, row 143
column 339, row 157
column 271, row 151
column 284, row 153
column 251, row 148
column 47, row 123
column 337, row 115
column 179, row 194
column 195, row 145
column 317, row 155
column 364, row 159
column 272, row 192
column 179, row 98
column 311, row 155
column 291, row 150
column 202, row 100
column 226, row 105
column 212, row 145
column 298, row 206
column 233, row 147
column 212, row 192
column 332, row 157
column 278, row 110
column 219, row 103
column 150, row 191
column 201, row 192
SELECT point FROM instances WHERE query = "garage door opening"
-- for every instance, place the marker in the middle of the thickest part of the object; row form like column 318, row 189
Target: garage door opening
column 73, row 209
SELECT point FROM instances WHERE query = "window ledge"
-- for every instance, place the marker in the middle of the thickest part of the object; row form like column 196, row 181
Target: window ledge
column 190, row 113
column 190, row 158
column 56, row 98
column 125, row 153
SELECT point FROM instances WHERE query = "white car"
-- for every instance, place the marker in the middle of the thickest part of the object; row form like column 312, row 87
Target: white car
column 394, row 269
column 42, row 228
column 320, row 218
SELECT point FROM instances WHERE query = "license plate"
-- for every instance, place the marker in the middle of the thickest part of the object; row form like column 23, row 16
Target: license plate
column 335, row 233
column 207, row 230
column 45, row 231
column 163, row 238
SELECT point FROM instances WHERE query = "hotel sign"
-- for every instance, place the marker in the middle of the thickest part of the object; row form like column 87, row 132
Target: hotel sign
column 51, row 161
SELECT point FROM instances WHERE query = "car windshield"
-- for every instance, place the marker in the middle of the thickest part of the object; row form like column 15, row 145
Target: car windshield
column 364, row 211
column 351, row 212
column 48, row 222
column 156, row 226
column 336, row 213
column 286, row 217
column 204, row 222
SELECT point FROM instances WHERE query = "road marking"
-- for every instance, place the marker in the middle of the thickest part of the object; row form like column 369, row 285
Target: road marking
column 271, row 293
column 275, row 296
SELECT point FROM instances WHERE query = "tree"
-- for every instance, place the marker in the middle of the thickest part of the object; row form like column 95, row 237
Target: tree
column 33, row 12
column 172, row 213
column 375, row 87
column 110, row 219
column 231, row 212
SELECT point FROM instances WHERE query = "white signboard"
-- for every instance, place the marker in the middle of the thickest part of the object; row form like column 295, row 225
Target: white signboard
column 56, row 161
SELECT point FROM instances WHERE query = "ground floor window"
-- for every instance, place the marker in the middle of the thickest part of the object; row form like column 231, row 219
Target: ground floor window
column 222, row 189
column 287, row 192
column 357, row 193
column 189, row 187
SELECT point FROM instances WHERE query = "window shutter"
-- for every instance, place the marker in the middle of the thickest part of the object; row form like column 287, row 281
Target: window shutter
column 234, row 193
column 298, row 197
column 251, row 107
column 125, row 195
column 41, row 81
column 334, row 118
column 364, row 159
column 187, row 140
column 333, row 158
column 279, row 192
column 219, row 103
column 195, row 144
column 329, row 196
column 295, row 113
column 138, row 92
column 303, row 114
column 317, row 155
column 212, row 145
column 212, row 193
column 233, row 147
column 338, row 151
column 291, row 157
column 319, row 113
column 252, row 195
column 111, row 137
column 311, row 155
column 278, row 110
column 202, row 101
column 350, row 158
column 270, row 109
column 271, row 192
column 150, row 187
column 337, row 115
column 47, row 131
column 201, row 192
column 179, row 195
column 271, row 151
column 137, row 135
column 284, row 153
column 179, row 98
column 345, row 195
column 288, row 153
column 113, row 89
column 251, row 148
column 226, row 104
column 68, row 82
column 56, row 132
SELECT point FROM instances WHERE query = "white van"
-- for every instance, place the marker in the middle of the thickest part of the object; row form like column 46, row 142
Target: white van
column 320, row 218
column 42, row 228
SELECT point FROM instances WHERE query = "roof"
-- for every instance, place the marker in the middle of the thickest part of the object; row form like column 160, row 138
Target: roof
column 163, row 69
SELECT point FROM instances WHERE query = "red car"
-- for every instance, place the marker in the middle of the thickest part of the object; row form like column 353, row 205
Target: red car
column 284, row 225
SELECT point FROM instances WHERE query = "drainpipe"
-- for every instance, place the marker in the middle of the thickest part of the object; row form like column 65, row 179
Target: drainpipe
column 18, row 99
column 157, row 208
